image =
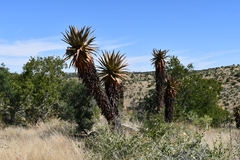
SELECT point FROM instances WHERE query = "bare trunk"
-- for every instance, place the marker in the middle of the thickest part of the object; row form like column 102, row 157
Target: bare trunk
column 113, row 96
column 92, row 82
column 112, row 91
column 160, row 85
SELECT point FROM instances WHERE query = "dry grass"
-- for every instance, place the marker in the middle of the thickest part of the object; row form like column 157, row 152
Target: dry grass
column 53, row 140
column 48, row 141
column 226, row 135
column 223, row 135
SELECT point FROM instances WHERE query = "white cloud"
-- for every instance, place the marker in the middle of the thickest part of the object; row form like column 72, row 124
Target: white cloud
column 140, row 63
column 113, row 44
column 14, row 63
column 139, row 59
column 210, row 59
column 205, row 65
column 15, row 54
column 29, row 47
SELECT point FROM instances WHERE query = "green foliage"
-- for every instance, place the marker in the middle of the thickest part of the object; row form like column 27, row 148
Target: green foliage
column 79, row 105
column 42, row 79
column 10, row 104
column 41, row 92
column 200, row 96
column 176, row 69
column 158, row 140
column 203, row 122
column 219, row 116
column 146, row 107
column 31, row 95
column 196, row 95
column 152, row 125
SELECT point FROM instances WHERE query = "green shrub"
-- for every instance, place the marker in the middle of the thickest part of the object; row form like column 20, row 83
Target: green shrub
column 78, row 105
column 158, row 140
column 152, row 125
column 219, row 116
column 204, row 121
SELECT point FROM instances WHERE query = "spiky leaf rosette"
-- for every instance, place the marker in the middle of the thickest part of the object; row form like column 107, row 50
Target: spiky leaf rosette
column 113, row 71
column 172, row 86
column 81, row 42
column 112, row 67
column 158, row 59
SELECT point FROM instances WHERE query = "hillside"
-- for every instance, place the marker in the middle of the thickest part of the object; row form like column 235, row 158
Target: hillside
column 139, row 83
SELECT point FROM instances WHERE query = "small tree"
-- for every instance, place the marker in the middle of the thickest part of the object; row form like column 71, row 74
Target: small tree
column 41, row 85
column 177, row 70
column 200, row 96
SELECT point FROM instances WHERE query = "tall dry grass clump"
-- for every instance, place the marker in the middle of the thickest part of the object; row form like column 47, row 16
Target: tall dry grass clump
column 46, row 141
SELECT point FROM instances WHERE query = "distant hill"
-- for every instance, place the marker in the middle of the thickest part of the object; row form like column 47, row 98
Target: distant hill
column 139, row 83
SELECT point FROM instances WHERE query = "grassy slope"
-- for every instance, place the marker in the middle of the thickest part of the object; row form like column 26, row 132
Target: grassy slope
column 138, row 84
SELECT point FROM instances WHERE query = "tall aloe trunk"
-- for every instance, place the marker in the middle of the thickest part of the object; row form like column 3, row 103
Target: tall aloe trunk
column 160, row 76
column 91, row 80
column 121, row 96
column 112, row 91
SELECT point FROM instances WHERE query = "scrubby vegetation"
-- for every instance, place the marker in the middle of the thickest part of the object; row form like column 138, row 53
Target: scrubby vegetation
column 144, row 117
column 160, row 140
column 55, row 140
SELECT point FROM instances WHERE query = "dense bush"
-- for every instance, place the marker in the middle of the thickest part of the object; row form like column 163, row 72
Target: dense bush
column 9, row 97
column 42, row 92
column 29, row 97
column 200, row 96
column 78, row 105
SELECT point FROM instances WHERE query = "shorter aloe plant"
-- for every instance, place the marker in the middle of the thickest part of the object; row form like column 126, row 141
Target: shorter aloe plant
column 112, row 71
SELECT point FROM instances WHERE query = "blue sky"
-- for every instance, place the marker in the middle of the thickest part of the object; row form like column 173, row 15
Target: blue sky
column 203, row 32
